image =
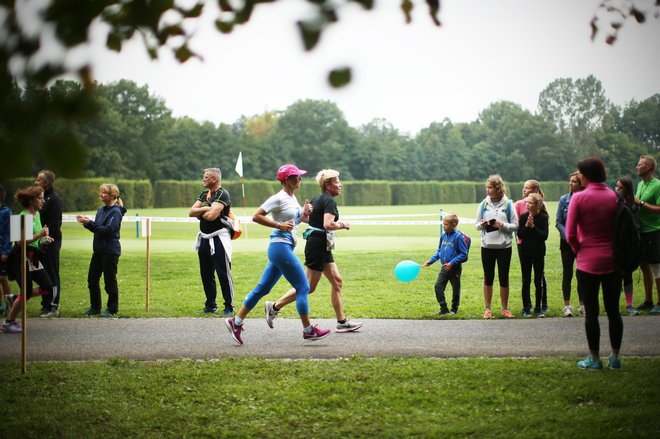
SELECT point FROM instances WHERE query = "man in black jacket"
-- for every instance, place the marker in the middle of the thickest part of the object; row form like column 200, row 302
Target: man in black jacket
column 51, row 217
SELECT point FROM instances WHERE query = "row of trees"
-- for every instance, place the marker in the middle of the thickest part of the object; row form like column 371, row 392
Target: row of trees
column 136, row 136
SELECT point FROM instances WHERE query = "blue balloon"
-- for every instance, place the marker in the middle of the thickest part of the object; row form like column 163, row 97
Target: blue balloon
column 406, row 271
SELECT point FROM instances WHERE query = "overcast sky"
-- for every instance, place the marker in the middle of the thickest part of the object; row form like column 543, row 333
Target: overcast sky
column 410, row 75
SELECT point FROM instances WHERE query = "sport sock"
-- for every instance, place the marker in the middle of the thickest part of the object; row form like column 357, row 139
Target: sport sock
column 238, row 321
column 629, row 298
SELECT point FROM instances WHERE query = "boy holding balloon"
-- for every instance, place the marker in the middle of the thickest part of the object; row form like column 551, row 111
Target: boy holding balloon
column 452, row 252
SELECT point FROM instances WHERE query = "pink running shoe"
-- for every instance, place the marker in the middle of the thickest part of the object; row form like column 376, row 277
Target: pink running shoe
column 316, row 333
column 11, row 327
column 235, row 330
column 507, row 314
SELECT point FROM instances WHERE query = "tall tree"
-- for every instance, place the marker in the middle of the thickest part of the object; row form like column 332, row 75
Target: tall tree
column 577, row 109
column 127, row 137
column 379, row 150
column 641, row 121
column 444, row 153
column 314, row 135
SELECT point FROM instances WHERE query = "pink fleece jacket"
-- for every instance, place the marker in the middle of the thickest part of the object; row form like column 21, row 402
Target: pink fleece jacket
column 589, row 228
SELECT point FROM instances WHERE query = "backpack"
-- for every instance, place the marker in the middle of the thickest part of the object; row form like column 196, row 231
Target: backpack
column 626, row 241
column 233, row 224
column 508, row 209
column 468, row 242
column 236, row 226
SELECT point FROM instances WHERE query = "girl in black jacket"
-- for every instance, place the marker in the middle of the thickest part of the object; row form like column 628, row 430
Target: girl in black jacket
column 533, row 231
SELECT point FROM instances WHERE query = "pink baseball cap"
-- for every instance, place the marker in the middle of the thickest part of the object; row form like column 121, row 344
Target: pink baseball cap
column 286, row 171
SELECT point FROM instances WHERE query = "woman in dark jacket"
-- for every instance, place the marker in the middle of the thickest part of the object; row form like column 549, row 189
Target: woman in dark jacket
column 105, row 226
column 567, row 255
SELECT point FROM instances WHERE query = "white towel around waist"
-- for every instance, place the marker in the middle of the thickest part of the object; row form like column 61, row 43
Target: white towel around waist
column 225, row 240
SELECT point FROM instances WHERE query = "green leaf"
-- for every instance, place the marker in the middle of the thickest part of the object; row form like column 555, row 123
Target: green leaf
column 366, row 4
column 340, row 77
column 639, row 15
column 406, row 7
column 113, row 42
column 224, row 26
column 183, row 54
column 310, row 35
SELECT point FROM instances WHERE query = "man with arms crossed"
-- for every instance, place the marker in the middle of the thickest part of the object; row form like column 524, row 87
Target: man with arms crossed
column 214, row 241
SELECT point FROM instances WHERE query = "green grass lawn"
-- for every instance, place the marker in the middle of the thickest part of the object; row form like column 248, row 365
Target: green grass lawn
column 366, row 256
column 354, row 397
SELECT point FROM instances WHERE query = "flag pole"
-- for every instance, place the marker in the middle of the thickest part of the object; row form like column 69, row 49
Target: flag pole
column 239, row 171
column 23, row 293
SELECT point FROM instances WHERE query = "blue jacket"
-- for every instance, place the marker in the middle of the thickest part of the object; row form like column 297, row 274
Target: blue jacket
column 452, row 248
column 562, row 215
column 5, row 243
column 106, row 227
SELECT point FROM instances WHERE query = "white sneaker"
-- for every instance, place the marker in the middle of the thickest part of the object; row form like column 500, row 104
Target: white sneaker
column 270, row 313
column 568, row 311
column 581, row 310
column 348, row 326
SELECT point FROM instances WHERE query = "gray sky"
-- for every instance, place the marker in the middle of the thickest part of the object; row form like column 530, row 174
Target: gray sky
column 410, row 75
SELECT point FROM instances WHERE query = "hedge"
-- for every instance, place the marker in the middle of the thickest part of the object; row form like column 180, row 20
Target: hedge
column 82, row 194
column 171, row 193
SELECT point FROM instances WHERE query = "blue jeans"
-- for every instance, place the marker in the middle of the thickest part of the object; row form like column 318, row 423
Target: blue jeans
column 283, row 262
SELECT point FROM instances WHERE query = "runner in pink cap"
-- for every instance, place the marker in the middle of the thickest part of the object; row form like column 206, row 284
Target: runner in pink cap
column 287, row 171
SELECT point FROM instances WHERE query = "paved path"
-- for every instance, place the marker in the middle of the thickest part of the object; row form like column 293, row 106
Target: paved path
column 206, row 338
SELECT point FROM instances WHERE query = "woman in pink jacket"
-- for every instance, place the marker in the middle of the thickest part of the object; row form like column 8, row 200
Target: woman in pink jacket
column 589, row 233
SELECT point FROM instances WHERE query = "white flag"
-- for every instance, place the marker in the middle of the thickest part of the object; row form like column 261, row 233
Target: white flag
column 239, row 164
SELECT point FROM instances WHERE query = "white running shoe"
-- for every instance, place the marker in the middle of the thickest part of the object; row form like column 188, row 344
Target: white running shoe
column 348, row 326
column 270, row 313
column 568, row 311
column 581, row 310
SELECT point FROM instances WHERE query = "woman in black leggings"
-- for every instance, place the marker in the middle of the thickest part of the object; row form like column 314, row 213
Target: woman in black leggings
column 31, row 199
column 589, row 232
column 567, row 255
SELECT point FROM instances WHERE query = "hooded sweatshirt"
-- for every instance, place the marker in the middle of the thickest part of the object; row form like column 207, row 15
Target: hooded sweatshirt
column 502, row 211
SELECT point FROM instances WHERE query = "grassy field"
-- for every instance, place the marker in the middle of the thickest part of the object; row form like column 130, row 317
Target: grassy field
column 366, row 256
column 351, row 397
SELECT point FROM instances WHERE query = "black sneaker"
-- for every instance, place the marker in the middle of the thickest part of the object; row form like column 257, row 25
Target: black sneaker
column 645, row 306
column 92, row 312
column 108, row 314
column 43, row 312
column 443, row 310
column 527, row 312
column 210, row 310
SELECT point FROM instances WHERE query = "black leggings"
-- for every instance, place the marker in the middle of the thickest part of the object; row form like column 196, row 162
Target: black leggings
column 537, row 263
column 503, row 258
column 567, row 262
column 589, row 285
column 40, row 277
